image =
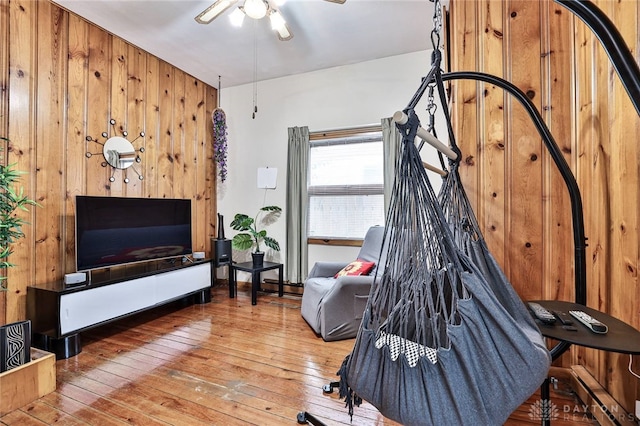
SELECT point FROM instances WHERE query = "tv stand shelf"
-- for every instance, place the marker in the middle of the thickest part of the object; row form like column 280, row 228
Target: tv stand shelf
column 58, row 313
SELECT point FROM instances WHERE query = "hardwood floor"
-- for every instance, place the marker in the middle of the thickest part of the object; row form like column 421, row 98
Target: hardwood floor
column 222, row 363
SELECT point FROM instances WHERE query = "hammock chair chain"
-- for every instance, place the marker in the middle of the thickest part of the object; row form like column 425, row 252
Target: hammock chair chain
column 435, row 44
column 437, row 24
column 430, row 81
column 431, row 109
column 431, row 106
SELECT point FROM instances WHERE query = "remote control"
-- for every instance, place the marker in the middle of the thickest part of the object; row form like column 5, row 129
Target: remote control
column 564, row 317
column 541, row 313
column 591, row 323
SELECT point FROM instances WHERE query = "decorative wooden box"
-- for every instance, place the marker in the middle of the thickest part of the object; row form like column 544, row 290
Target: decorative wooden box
column 15, row 343
column 22, row 385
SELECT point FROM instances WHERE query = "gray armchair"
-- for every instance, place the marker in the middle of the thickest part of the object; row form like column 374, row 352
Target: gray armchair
column 333, row 307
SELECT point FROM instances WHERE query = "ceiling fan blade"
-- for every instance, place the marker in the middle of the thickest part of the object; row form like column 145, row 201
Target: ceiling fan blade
column 337, row 1
column 212, row 12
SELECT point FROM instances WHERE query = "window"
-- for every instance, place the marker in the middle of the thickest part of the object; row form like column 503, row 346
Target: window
column 346, row 184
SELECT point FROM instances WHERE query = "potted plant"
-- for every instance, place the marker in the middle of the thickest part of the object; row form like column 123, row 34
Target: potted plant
column 11, row 199
column 252, row 236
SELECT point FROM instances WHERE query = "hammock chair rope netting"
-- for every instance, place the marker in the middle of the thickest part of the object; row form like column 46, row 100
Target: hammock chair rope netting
column 444, row 338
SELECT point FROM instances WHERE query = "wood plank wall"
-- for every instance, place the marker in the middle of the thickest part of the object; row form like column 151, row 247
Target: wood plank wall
column 518, row 194
column 62, row 79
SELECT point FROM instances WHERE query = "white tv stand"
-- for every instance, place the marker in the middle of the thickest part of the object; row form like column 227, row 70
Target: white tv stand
column 58, row 313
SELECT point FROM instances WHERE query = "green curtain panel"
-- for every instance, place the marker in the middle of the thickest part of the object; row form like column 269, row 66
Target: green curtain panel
column 391, row 142
column 296, row 254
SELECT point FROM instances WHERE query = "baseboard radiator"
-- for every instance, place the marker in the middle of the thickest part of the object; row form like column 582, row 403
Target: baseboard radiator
column 604, row 408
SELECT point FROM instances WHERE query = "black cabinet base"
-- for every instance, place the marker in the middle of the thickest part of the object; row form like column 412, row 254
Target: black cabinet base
column 63, row 348
column 202, row 297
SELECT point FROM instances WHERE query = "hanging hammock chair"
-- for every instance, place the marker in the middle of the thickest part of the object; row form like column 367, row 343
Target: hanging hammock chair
column 444, row 337
column 468, row 238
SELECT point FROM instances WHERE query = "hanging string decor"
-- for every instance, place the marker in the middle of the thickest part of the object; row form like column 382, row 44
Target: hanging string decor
column 220, row 142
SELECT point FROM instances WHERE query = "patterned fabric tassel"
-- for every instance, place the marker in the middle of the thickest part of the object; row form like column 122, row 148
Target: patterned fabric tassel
column 345, row 391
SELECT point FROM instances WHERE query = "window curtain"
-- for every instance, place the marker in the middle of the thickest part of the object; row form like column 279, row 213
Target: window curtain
column 391, row 142
column 296, row 256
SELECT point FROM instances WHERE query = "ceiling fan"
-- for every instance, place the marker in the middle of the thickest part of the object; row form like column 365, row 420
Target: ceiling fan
column 256, row 9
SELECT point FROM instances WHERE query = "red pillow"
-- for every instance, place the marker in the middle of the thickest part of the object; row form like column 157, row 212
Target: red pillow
column 359, row 267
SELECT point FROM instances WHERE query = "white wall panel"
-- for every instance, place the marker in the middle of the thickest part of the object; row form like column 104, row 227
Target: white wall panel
column 334, row 98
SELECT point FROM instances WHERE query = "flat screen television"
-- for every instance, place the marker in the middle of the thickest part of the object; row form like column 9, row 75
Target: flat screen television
column 119, row 230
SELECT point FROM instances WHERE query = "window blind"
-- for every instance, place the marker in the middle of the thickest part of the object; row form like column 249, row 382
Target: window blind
column 346, row 189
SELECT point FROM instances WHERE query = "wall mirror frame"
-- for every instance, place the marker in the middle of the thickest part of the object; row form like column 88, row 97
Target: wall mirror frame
column 118, row 152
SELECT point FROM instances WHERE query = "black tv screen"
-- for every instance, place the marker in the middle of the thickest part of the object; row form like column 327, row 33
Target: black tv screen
column 118, row 230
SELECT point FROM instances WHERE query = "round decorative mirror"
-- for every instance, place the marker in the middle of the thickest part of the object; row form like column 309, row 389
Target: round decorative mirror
column 119, row 152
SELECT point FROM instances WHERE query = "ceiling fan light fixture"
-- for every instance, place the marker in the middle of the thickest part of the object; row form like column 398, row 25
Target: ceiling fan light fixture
column 277, row 20
column 210, row 13
column 237, row 17
column 256, row 9
column 279, row 25
column 284, row 34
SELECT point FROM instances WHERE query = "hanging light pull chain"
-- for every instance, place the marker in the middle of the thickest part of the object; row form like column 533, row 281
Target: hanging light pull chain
column 255, row 72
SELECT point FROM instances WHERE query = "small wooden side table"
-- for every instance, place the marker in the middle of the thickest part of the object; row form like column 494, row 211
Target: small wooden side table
column 255, row 277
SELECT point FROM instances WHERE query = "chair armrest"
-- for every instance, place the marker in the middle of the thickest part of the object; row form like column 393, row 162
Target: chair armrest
column 343, row 307
column 349, row 285
column 326, row 269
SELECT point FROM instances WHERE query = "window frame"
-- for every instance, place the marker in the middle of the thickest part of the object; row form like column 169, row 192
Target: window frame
column 337, row 137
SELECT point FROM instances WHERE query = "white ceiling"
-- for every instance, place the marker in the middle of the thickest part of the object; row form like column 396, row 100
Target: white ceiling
column 325, row 35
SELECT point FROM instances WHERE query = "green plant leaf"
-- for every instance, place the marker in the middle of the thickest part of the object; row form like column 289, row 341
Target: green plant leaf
column 241, row 222
column 271, row 243
column 12, row 198
column 242, row 241
column 271, row 209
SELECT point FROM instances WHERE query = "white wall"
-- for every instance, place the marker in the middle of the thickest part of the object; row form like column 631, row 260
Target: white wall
column 341, row 97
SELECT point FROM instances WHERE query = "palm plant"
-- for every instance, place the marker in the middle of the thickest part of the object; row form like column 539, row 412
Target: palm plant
column 11, row 199
column 251, row 235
